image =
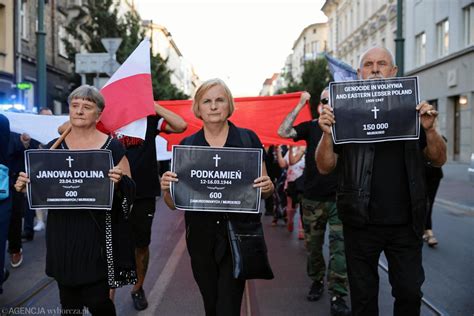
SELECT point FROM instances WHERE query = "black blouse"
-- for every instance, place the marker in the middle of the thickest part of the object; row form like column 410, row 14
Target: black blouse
column 75, row 242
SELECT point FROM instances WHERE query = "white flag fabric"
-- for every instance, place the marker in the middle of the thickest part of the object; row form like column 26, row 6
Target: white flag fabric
column 129, row 95
column 43, row 128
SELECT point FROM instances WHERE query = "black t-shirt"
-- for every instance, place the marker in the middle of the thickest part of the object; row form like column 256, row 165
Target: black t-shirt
column 390, row 202
column 317, row 187
column 141, row 155
column 271, row 162
column 233, row 140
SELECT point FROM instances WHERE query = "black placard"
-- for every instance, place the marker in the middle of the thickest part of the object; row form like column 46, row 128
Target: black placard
column 216, row 179
column 378, row 110
column 69, row 179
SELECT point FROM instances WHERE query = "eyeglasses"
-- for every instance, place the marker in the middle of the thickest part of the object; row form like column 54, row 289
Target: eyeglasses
column 324, row 101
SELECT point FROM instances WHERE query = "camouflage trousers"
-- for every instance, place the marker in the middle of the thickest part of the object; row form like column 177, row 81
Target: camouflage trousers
column 315, row 217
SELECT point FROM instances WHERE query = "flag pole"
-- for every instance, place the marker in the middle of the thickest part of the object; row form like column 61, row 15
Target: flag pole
column 62, row 137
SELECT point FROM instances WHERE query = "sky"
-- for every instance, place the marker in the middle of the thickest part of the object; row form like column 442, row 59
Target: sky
column 242, row 42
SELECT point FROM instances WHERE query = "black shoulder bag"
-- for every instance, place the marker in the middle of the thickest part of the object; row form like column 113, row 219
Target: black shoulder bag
column 249, row 251
column 247, row 242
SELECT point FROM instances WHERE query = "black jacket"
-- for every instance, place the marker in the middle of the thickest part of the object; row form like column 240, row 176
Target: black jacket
column 355, row 164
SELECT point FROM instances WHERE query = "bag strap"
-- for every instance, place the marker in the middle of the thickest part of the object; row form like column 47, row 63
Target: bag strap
column 189, row 140
column 245, row 137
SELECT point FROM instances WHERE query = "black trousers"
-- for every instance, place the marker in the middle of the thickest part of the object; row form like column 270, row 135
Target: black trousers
column 403, row 250
column 211, row 262
column 94, row 296
column 14, row 231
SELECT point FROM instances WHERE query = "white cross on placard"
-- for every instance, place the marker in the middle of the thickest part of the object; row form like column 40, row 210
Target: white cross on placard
column 375, row 110
column 69, row 159
column 216, row 158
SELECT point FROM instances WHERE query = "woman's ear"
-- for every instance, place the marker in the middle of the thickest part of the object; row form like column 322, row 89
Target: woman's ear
column 99, row 113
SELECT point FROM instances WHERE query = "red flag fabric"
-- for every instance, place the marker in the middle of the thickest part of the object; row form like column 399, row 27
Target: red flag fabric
column 263, row 115
column 129, row 95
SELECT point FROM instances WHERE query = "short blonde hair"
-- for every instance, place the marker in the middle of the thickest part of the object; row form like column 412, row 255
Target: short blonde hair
column 204, row 87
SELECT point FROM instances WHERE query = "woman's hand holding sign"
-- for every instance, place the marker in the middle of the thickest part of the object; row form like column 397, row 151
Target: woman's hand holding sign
column 266, row 184
column 166, row 180
column 20, row 184
column 115, row 174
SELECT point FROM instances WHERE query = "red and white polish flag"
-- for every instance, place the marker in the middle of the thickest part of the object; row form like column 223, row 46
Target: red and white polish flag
column 129, row 95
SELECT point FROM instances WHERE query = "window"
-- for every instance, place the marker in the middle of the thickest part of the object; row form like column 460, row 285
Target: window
column 3, row 27
column 351, row 21
column 315, row 47
column 62, row 34
column 24, row 21
column 346, row 25
column 468, row 21
column 357, row 13
column 420, row 49
column 442, row 31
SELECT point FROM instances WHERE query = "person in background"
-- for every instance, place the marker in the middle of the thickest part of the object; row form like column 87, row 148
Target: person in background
column 141, row 155
column 5, row 204
column 206, row 233
column 433, row 178
column 18, row 144
column 319, row 211
column 274, row 206
column 294, row 162
column 382, row 200
column 279, row 194
column 29, row 227
column 41, row 213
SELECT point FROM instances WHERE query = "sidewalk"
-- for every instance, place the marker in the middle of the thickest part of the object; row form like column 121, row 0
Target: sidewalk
column 455, row 190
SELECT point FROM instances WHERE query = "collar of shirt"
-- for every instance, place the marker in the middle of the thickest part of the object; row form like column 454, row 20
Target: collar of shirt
column 233, row 138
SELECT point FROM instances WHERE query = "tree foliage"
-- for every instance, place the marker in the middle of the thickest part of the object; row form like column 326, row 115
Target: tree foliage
column 98, row 19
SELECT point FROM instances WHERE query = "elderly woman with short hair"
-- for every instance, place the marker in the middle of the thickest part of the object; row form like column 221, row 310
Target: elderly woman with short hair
column 206, row 233
column 78, row 249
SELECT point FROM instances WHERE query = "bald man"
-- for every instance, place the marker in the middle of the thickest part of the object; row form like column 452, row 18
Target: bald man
column 382, row 200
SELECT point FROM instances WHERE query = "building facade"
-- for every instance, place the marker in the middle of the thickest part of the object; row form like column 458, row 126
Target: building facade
column 183, row 75
column 271, row 85
column 58, row 66
column 7, row 53
column 438, row 48
column 440, row 51
column 311, row 42
column 356, row 25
